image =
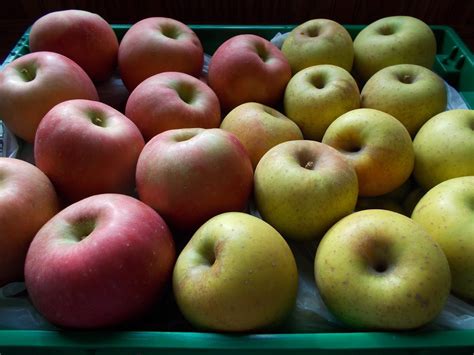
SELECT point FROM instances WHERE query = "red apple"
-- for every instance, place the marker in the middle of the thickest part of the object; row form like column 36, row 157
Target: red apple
column 33, row 84
column 172, row 100
column 192, row 174
column 248, row 68
column 86, row 148
column 99, row 262
column 27, row 201
column 155, row 45
column 82, row 36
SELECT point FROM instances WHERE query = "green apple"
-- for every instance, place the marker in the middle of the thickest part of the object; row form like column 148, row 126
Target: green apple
column 393, row 40
column 318, row 41
column 447, row 213
column 259, row 128
column 316, row 96
column 411, row 93
column 377, row 145
column 237, row 273
column 303, row 187
column 378, row 269
column 444, row 148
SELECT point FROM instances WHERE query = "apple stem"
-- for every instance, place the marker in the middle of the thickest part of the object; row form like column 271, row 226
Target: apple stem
column 309, row 165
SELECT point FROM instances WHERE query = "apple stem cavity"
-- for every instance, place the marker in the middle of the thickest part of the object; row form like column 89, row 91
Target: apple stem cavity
column 309, row 165
column 318, row 81
column 386, row 30
column 312, row 32
column 262, row 52
column 170, row 31
column 28, row 74
column 186, row 93
column 406, row 79
column 82, row 229
column 97, row 118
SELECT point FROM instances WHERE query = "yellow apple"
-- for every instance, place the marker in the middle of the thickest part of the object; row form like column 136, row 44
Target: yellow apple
column 447, row 213
column 259, row 128
column 444, row 148
column 393, row 40
column 237, row 273
column 303, row 187
column 316, row 96
column 378, row 269
column 377, row 145
column 318, row 41
column 410, row 93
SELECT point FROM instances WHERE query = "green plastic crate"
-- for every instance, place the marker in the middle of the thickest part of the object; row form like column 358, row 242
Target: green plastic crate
column 455, row 63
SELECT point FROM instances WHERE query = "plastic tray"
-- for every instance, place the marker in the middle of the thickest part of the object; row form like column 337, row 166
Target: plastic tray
column 455, row 63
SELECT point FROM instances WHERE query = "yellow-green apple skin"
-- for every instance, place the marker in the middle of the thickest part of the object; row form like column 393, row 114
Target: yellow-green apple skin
column 317, row 95
column 410, row 93
column 318, row 41
column 444, row 148
column 378, row 269
column 259, row 128
column 236, row 274
column 447, row 213
column 393, row 40
column 377, row 145
column 303, row 187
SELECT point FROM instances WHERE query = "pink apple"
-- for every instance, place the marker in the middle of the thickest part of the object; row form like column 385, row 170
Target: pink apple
column 99, row 262
column 155, row 45
column 172, row 100
column 86, row 148
column 27, row 201
column 82, row 36
column 248, row 68
column 192, row 174
column 33, row 84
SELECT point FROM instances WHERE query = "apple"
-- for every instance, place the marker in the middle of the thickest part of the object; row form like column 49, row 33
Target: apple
column 33, row 84
column 393, row 40
column 82, row 36
column 27, row 201
column 318, row 41
column 317, row 95
column 155, row 45
column 444, row 148
column 87, row 148
column 303, row 187
column 100, row 262
column 248, row 68
column 378, row 269
column 172, row 100
column 189, row 175
column 236, row 274
column 259, row 128
column 410, row 93
column 447, row 213
column 377, row 145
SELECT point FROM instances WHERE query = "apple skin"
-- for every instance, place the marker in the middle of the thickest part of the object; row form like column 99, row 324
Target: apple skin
column 33, row 84
column 317, row 95
column 27, row 201
column 259, row 128
column 155, row 45
column 378, row 269
column 189, row 175
column 303, row 187
column 444, row 148
column 248, row 68
column 393, row 40
column 100, row 262
column 377, row 145
column 236, row 274
column 87, row 148
column 318, row 41
column 172, row 100
column 410, row 93
column 447, row 213
column 82, row 36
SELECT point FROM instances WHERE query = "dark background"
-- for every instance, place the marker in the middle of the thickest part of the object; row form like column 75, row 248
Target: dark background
column 17, row 16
